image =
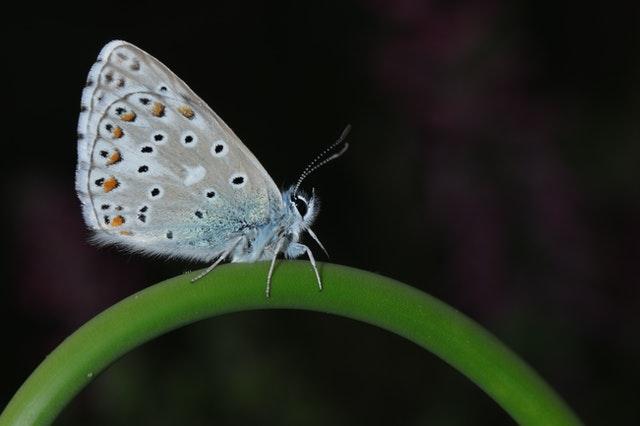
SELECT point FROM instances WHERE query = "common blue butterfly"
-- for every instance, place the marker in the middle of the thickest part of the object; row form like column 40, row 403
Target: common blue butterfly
column 160, row 173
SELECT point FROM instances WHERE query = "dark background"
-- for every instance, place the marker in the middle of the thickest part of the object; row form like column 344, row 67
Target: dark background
column 493, row 163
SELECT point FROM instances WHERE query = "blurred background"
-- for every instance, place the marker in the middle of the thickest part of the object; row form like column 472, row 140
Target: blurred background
column 493, row 164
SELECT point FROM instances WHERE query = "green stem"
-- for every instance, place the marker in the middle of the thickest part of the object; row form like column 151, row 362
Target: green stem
column 348, row 292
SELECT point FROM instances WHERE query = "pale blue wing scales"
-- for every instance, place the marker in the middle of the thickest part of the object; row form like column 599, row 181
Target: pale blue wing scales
column 158, row 170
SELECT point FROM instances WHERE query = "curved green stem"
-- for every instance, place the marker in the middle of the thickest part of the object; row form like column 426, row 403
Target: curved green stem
column 348, row 292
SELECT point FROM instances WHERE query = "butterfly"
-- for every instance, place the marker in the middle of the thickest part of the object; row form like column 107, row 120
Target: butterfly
column 161, row 174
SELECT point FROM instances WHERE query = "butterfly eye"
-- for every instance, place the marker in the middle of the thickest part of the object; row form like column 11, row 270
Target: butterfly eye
column 301, row 205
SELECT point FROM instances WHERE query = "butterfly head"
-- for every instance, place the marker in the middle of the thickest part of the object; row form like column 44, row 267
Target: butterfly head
column 301, row 210
column 303, row 207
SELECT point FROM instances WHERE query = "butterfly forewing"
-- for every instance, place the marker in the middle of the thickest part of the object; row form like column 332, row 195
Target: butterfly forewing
column 158, row 170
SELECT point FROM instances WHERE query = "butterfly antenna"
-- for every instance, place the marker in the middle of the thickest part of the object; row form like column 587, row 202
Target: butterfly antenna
column 322, row 159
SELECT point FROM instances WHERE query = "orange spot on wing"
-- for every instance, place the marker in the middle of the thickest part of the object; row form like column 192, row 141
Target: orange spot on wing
column 186, row 111
column 128, row 116
column 117, row 132
column 117, row 221
column 110, row 184
column 157, row 109
column 114, row 158
column 127, row 233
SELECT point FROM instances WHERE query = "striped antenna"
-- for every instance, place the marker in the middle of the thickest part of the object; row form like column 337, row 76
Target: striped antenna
column 322, row 158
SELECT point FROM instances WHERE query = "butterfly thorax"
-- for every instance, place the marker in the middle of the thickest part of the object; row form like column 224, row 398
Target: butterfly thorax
column 281, row 233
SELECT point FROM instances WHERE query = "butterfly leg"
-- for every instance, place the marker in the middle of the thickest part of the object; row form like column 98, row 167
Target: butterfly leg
column 211, row 267
column 315, row 268
column 220, row 258
column 273, row 264
column 317, row 240
column 296, row 249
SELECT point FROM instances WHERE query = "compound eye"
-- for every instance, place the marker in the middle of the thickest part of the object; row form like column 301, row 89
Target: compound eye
column 301, row 205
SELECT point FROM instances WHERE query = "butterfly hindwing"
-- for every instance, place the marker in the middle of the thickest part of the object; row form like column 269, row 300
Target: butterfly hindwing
column 158, row 170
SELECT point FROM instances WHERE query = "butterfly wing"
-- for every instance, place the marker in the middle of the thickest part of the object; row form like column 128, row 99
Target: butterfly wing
column 158, row 170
